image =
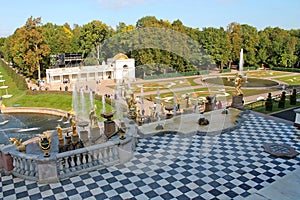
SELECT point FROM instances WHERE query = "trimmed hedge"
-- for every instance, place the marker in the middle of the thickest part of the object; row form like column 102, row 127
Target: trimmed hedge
column 285, row 69
column 225, row 70
column 18, row 79
column 172, row 75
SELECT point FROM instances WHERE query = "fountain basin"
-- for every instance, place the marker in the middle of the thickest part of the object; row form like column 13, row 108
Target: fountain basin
column 248, row 82
column 188, row 124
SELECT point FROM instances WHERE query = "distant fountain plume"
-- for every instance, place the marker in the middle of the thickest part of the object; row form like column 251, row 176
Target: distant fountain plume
column 241, row 62
column 158, row 105
column 118, row 102
column 175, row 104
column 142, row 98
column 92, row 99
column 74, row 99
column 83, row 106
column 103, row 104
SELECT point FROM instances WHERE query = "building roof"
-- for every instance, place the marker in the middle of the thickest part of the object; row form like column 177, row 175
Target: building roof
column 120, row 56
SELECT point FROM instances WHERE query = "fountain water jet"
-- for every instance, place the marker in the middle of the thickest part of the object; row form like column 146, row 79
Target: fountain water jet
column 241, row 63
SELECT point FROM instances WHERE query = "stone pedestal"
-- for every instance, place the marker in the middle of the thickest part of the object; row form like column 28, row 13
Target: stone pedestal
column 237, row 101
column 297, row 118
column 95, row 133
column 47, row 171
column 169, row 115
column 109, row 128
column 84, row 136
column 6, row 162
column 208, row 107
column 126, row 149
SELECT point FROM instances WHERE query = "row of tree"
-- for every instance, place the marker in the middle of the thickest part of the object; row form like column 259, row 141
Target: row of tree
column 158, row 46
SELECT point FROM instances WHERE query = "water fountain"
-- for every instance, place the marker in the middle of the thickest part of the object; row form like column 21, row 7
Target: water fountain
column 6, row 95
column 59, row 152
column 241, row 63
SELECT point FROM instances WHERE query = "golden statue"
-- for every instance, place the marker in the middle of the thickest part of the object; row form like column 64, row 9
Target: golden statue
column 18, row 143
column 131, row 102
column 59, row 132
column 74, row 132
column 238, row 84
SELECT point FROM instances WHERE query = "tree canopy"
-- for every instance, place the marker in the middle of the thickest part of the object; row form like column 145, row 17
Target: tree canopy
column 157, row 45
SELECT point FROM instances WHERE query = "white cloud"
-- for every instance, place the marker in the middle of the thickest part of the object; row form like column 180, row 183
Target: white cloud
column 117, row 4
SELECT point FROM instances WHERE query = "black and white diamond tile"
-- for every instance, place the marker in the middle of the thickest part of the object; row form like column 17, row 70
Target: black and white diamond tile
column 227, row 166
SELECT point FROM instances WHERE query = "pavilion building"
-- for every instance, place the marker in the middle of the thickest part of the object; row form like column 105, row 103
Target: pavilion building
column 119, row 67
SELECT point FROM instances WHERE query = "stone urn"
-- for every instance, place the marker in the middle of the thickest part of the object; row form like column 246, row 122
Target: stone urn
column 169, row 108
column 45, row 143
column 202, row 121
column 109, row 124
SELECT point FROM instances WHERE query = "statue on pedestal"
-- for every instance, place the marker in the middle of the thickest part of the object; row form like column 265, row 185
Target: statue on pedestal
column 237, row 99
column 74, row 132
column 238, row 84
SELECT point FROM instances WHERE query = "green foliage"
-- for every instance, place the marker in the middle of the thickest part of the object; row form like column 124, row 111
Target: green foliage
column 158, row 46
column 17, row 78
column 225, row 70
column 172, row 75
column 285, row 69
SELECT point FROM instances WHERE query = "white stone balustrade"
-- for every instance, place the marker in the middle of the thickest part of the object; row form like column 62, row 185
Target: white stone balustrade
column 25, row 165
column 70, row 163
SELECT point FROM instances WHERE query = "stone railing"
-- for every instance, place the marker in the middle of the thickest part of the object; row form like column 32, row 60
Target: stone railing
column 39, row 110
column 66, row 164
column 25, row 166
column 71, row 163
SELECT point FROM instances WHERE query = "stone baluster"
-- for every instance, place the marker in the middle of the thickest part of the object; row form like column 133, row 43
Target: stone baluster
column 72, row 161
column 22, row 171
column 27, row 167
column 84, row 161
column 78, row 160
column 103, row 152
column 100, row 156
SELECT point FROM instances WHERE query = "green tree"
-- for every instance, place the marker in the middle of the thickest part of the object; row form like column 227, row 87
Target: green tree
column 250, row 42
column 29, row 48
column 216, row 42
column 262, row 49
column 235, row 32
column 92, row 36
column 57, row 37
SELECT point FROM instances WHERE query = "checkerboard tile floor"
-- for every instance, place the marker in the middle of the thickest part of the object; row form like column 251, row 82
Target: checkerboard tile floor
column 228, row 166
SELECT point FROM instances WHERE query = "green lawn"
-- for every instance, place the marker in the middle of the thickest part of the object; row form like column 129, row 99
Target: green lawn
column 63, row 100
column 291, row 80
column 262, row 109
column 58, row 100
column 265, row 73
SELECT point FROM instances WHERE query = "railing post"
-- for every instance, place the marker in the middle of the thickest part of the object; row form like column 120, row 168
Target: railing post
column 47, row 169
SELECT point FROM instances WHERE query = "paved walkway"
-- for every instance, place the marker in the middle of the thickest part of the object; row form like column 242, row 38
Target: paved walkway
column 108, row 86
column 228, row 166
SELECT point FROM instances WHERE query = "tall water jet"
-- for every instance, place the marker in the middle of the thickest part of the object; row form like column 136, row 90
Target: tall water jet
column 74, row 99
column 118, row 102
column 175, row 103
column 83, row 110
column 241, row 63
column 157, row 111
column 103, row 104
column 142, row 99
column 158, row 105
column 92, row 99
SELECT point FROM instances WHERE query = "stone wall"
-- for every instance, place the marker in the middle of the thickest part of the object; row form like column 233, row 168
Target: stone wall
column 40, row 110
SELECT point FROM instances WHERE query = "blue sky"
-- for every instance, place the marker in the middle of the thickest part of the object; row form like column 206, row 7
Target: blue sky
column 194, row 13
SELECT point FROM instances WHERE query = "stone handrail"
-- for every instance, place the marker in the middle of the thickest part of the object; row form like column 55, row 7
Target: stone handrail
column 25, row 165
column 39, row 110
column 74, row 162
column 66, row 164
